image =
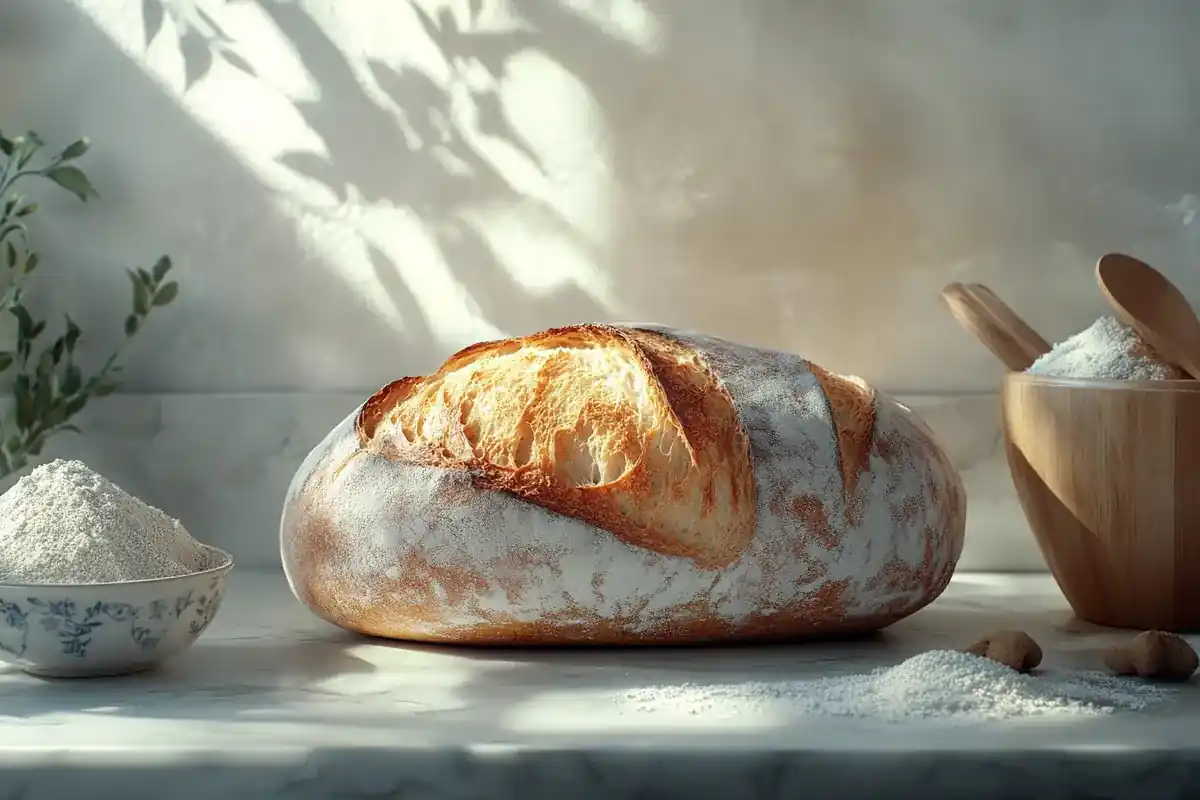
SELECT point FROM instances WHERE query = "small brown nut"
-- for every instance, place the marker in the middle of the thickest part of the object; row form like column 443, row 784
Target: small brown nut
column 1118, row 659
column 1015, row 649
column 1162, row 656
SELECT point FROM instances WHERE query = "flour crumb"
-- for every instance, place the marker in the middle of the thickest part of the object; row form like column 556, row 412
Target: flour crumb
column 1106, row 349
column 65, row 524
column 937, row 684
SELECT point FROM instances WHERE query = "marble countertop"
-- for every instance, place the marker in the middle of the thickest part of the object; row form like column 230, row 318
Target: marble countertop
column 275, row 703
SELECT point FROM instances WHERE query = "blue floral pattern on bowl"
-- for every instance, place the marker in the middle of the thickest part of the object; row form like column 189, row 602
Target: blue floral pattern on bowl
column 106, row 629
column 74, row 626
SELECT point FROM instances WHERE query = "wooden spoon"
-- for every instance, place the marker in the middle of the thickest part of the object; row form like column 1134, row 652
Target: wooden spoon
column 985, row 315
column 1146, row 301
column 1030, row 340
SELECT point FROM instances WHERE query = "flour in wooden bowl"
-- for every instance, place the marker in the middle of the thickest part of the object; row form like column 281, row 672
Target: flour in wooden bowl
column 940, row 684
column 65, row 524
column 1106, row 349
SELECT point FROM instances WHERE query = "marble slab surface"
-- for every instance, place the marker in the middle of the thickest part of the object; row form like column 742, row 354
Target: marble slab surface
column 274, row 703
column 222, row 463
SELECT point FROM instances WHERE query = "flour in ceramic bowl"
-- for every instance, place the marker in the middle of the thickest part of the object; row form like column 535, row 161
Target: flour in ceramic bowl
column 936, row 684
column 1106, row 349
column 65, row 524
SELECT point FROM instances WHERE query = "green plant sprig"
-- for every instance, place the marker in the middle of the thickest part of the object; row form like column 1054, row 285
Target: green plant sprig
column 48, row 387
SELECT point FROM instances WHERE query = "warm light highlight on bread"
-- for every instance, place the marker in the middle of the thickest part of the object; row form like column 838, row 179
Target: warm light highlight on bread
column 625, row 430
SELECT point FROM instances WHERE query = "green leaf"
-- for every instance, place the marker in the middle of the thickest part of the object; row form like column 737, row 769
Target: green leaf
column 10, row 205
column 25, row 407
column 72, row 379
column 75, row 149
column 6, row 145
column 35, row 447
column 161, row 268
column 31, row 262
column 55, row 416
column 24, row 321
column 76, row 404
column 13, row 444
column 72, row 335
column 6, row 360
column 166, row 294
column 10, row 254
column 71, row 428
column 145, row 277
column 131, row 325
column 104, row 389
column 60, row 345
column 74, row 181
column 45, row 367
column 38, row 327
column 25, row 211
column 141, row 295
column 24, row 147
column 43, row 398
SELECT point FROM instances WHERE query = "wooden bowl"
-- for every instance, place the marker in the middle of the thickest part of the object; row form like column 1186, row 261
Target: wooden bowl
column 1108, row 473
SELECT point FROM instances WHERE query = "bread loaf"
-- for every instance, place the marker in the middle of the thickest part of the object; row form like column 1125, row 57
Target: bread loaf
column 622, row 485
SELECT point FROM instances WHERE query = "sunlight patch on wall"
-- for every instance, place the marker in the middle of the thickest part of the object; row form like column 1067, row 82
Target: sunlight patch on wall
column 336, row 241
column 628, row 21
column 410, row 245
column 538, row 254
column 562, row 123
column 381, row 126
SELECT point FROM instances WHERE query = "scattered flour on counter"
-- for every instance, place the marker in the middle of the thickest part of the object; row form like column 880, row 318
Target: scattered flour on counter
column 937, row 684
column 1106, row 349
column 64, row 523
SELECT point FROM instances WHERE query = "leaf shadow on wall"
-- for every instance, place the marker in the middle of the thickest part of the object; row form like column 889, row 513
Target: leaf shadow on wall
column 202, row 40
column 368, row 158
column 831, row 173
column 255, row 310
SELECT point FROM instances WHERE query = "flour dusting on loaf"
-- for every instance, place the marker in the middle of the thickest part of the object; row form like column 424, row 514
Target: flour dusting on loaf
column 587, row 484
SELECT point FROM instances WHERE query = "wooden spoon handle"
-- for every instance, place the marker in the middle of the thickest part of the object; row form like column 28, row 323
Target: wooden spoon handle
column 978, row 319
column 1029, row 339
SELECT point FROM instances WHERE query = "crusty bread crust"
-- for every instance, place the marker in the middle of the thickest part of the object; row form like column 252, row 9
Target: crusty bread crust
column 852, row 409
column 623, row 429
column 451, row 508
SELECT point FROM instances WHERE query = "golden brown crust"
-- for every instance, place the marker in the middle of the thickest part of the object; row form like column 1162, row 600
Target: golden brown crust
column 852, row 408
column 659, row 458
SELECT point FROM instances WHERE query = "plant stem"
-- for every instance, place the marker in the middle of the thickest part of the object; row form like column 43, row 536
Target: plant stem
column 6, row 182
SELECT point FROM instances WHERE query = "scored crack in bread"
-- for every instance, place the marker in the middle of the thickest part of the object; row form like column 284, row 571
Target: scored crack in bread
column 632, row 485
column 625, row 429
column 852, row 409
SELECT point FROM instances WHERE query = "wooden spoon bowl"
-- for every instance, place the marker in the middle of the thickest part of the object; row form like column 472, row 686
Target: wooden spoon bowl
column 1106, row 473
column 1145, row 300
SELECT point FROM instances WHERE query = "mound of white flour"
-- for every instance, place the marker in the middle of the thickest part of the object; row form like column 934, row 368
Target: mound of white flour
column 937, row 684
column 64, row 523
column 1105, row 349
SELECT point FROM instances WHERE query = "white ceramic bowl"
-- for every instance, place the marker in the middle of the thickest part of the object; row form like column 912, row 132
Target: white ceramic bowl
column 102, row 629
